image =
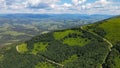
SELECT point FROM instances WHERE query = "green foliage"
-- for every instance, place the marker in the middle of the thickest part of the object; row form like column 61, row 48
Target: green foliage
column 22, row 48
column 71, row 59
column 76, row 41
column 113, row 59
column 61, row 35
column 71, row 37
column 58, row 51
column 39, row 47
column 117, row 62
column 44, row 65
column 109, row 29
column 13, row 59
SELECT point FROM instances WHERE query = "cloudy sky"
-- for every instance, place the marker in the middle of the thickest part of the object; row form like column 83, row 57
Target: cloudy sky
column 61, row 6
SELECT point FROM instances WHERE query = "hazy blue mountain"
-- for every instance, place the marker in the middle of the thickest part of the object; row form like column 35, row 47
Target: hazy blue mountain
column 57, row 16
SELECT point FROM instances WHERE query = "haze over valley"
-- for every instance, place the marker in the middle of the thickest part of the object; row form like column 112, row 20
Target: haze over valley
column 20, row 27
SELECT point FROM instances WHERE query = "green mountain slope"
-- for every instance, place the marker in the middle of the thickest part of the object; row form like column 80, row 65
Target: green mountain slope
column 109, row 29
column 89, row 46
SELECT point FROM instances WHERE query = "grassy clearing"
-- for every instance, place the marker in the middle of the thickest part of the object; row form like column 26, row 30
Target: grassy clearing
column 73, row 40
column 76, row 41
column 61, row 35
column 22, row 48
column 112, row 27
column 69, row 60
column 44, row 65
column 39, row 47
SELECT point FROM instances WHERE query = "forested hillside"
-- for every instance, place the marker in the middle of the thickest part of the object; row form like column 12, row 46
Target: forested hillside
column 110, row 30
column 91, row 46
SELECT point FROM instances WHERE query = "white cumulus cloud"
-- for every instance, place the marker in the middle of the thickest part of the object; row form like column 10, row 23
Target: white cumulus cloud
column 67, row 5
column 77, row 2
column 59, row 6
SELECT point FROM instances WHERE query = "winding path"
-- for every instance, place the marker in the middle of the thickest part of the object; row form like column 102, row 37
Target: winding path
column 17, row 49
column 48, row 60
column 53, row 62
column 110, row 44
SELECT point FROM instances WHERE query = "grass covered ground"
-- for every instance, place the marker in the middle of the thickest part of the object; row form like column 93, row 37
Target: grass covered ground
column 22, row 48
column 71, row 37
column 112, row 29
column 61, row 34
column 76, row 41
column 39, row 47
column 109, row 28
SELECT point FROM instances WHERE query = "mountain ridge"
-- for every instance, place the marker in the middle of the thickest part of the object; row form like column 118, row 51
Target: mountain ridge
column 85, row 47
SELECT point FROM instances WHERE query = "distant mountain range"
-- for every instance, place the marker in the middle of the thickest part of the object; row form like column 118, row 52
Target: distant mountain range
column 57, row 16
